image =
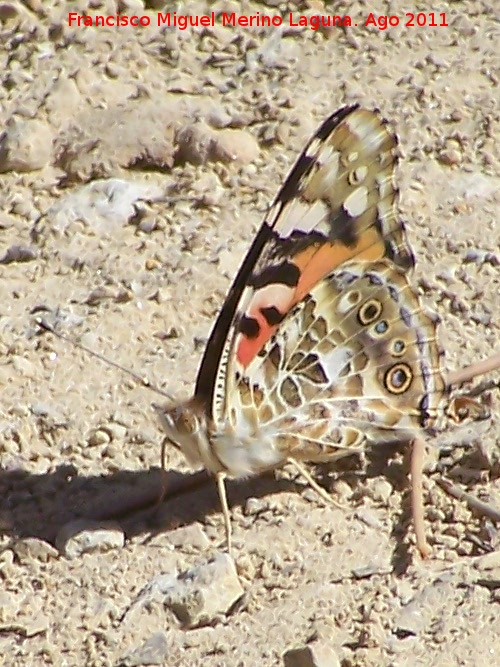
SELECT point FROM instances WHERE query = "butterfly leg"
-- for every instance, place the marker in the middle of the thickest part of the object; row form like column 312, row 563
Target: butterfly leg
column 163, row 486
column 221, row 488
column 417, row 496
column 313, row 483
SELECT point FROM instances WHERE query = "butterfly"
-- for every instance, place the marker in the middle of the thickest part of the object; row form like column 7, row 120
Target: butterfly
column 322, row 347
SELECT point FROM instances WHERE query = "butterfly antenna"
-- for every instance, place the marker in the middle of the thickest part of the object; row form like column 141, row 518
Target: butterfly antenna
column 46, row 327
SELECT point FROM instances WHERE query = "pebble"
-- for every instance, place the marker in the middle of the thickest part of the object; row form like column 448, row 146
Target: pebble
column 24, row 367
column 105, row 206
column 380, row 490
column 186, row 537
column 32, row 548
column 369, row 517
column 154, row 651
column 411, row 620
column 450, row 157
column 199, row 144
column 488, row 563
column 63, row 101
column 464, row 26
column 9, row 10
column 116, row 431
column 99, row 436
column 36, row 625
column 317, row 654
column 26, row 145
column 194, row 143
column 235, row 146
column 417, row 616
column 255, row 506
column 197, row 596
column 82, row 536
column 18, row 254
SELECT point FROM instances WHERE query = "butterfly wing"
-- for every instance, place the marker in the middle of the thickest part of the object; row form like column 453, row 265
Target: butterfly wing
column 356, row 360
column 337, row 206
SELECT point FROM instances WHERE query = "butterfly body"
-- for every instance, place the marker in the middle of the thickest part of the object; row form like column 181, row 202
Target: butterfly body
column 322, row 346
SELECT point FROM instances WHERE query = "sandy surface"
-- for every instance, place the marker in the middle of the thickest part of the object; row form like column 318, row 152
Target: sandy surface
column 136, row 166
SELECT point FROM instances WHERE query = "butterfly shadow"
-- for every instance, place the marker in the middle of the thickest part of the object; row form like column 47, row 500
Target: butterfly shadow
column 141, row 502
column 154, row 501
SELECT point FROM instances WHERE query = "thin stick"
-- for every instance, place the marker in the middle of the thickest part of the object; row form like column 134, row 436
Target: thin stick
column 472, row 371
column 417, row 496
column 45, row 326
column 472, row 502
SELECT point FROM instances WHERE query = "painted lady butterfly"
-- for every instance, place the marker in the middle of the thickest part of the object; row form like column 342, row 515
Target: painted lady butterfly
column 322, row 346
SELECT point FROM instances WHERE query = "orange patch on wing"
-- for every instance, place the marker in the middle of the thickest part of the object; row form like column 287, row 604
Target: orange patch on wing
column 247, row 348
column 315, row 262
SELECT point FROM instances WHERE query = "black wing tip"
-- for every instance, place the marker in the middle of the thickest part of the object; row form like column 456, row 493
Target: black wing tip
column 333, row 120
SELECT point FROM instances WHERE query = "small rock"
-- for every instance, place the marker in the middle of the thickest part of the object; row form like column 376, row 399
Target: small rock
column 437, row 60
column 489, row 562
column 195, row 143
column 411, row 621
column 199, row 144
column 317, row 654
column 103, row 206
column 464, row 26
column 367, row 571
column 153, row 651
column 186, row 538
column 63, row 100
column 255, row 506
column 381, row 490
column 148, row 224
column 115, row 431
column 369, row 517
column 189, row 536
column 9, row 606
column 417, row 616
column 33, row 549
column 198, row 595
column 26, row 145
column 99, row 436
column 81, row 536
column 235, row 146
column 450, row 156
column 19, row 253
column 36, row 625
column 246, row 567
column 24, row 367
column 9, row 10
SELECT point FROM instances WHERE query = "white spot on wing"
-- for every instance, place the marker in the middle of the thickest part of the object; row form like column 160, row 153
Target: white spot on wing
column 355, row 204
column 335, row 362
column 359, row 174
column 344, row 304
column 274, row 294
column 303, row 216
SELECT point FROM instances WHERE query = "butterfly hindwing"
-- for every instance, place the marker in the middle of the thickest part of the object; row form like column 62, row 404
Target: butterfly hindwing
column 355, row 360
column 338, row 205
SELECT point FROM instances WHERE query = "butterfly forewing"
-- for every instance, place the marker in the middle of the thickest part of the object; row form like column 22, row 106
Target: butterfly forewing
column 337, row 206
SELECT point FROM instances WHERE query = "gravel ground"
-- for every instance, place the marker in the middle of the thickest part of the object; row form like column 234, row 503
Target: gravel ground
column 136, row 164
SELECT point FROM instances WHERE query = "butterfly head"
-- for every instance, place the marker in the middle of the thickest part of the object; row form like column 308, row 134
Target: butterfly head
column 185, row 428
